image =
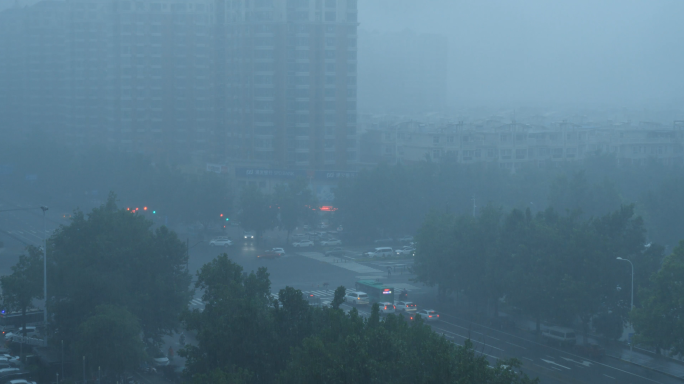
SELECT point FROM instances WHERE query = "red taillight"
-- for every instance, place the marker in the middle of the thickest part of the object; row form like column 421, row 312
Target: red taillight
column 429, row 315
column 394, row 307
column 385, row 307
column 437, row 315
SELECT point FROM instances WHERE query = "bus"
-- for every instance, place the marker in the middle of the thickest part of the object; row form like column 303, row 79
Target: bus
column 377, row 291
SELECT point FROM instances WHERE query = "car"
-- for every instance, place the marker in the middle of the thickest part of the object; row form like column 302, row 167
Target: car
column 8, row 371
column 160, row 361
column 303, row 243
column 221, row 242
column 249, row 235
column 428, row 314
column 386, row 308
column 356, row 298
column 405, row 306
column 331, row 242
column 559, row 335
column 279, row 250
column 339, row 229
column 380, row 252
column 405, row 239
column 406, row 250
column 336, row 252
column 20, row 381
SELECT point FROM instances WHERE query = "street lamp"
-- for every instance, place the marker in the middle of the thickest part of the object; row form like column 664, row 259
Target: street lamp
column 44, row 208
column 630, row 263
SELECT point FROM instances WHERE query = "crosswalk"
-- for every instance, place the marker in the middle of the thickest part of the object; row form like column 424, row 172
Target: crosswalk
column 326, row 295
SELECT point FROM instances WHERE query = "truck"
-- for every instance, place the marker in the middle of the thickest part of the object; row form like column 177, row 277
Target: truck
column 377, row 291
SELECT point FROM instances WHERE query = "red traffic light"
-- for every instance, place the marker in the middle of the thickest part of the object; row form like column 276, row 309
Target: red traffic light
column 144, row 208
column 221, row 215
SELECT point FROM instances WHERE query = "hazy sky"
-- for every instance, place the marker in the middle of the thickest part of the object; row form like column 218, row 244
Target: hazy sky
column 609, row 52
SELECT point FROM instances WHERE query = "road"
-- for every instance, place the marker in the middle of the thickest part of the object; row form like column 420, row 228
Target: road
column 311, row 272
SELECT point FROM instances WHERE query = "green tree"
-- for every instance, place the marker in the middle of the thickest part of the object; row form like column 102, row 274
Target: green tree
column 257, row 211
column 113, row 257
column 659, row 321
column 24, row 284
column 111, row 339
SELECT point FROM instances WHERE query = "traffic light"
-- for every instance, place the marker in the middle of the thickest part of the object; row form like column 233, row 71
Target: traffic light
column 227, row 219
column 144, row 208
column 221, row 215
column 154, row 212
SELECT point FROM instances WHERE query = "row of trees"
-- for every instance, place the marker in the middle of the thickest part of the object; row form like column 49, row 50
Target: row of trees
column 246, row 337
column 393, row 200
column 559, row 268
column 115, row 287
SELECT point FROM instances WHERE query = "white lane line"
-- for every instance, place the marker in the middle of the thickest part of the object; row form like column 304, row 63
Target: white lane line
column 516, row 345
column 611, row 377
column 554, row 363
column 473, row 340
column 557, row 369
column 479, row 333
column 562, row 351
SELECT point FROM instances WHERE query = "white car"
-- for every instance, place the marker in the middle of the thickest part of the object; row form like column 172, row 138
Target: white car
column 160, row 361
column 249, row 235
column 428, row 314
column 331, row 242
column 303, row 243
column 405, row 239
column 279, row 250
column 20, row 381
column 405, row 306
column 356, row 298
column 221, row 242
column 387, row 308
column 406, row 250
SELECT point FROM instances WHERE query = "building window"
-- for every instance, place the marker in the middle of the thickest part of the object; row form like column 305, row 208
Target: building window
column 435, row 139
column 330, row 16
column 520, row 153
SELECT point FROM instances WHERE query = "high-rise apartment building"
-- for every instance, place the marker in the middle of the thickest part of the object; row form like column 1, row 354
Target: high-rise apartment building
column 262, row 82
column 290, row 82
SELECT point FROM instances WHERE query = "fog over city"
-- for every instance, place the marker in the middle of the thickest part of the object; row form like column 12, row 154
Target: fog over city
column 536, row 52
column 341, row 191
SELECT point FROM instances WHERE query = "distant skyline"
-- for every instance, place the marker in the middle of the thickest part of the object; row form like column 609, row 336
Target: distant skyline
column 613, row 53
column 579, row 52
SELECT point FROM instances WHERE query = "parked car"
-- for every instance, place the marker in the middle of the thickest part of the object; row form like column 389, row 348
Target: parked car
column 20, row 381
column 331, row 242
column 336, row 252
column 281, row 251
column 405, row 239
column 356, row 298
column 428, row 314
column 406, row 306
column 386, row 308
column 221, row 242
column 406, row 250
column 303, row 243
column 160, row 361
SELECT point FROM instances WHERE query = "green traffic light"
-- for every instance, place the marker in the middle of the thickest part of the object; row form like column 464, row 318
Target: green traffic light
column 154, row 212
column 227, row 219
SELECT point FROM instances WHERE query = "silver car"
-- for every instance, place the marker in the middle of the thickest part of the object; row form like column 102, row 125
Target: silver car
column 428, row 314
column 386, row 308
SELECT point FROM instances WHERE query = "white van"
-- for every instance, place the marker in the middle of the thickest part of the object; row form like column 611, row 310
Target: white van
column 381, row 252
column 559, row 335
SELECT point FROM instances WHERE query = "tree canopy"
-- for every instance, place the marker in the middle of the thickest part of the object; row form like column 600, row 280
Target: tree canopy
column 113, row 257
column 244, row 336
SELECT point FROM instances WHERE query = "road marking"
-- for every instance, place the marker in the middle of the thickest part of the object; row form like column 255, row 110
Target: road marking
column 557, row 369
column 583, row 363
column 519, row 346
column 473, row 340
column 609, row 376
column 562, row 351
column 470, row 330
column 554, row 363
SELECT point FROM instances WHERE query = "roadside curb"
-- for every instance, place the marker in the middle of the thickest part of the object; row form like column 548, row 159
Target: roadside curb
column 644, row 366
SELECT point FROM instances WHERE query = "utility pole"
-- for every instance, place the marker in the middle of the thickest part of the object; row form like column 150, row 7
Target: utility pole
column 187, row 254
column 84, row 378
column 45, row 317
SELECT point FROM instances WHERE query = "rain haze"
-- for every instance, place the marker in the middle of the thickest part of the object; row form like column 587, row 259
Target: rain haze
column 341, row 191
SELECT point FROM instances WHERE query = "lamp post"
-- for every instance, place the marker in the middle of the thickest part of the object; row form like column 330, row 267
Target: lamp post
column 44, row 208
column 630, row 263
column 632, row 300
